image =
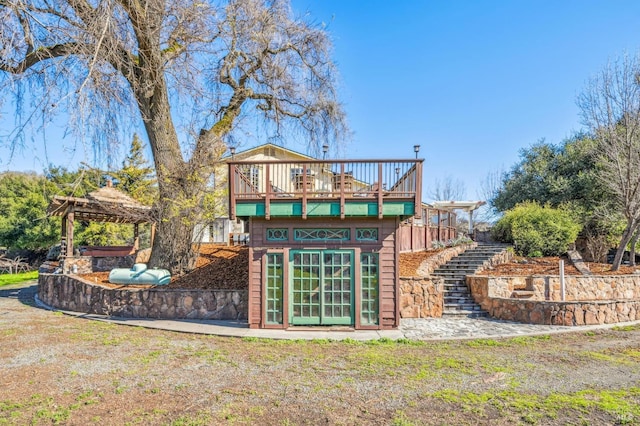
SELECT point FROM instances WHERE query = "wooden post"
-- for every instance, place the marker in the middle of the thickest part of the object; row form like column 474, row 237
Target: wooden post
column 304, row 191
column 69, row 240
column 342, row 200
column 267, row 197
column 231, row 177
column 418, row 187
column 153, row 233
column 136, row 236
column 63, row 237
column 380, row 194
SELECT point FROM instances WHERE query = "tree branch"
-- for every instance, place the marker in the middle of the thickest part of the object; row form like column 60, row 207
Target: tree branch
column 39, row 55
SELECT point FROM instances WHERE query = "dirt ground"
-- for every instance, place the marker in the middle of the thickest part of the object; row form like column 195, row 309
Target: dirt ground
column 521, row 266
column 218, row 267
column 224, row 267
column 56, row 369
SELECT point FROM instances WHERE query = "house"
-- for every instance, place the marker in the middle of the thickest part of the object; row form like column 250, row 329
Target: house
column 324, row 236
column 224, row 230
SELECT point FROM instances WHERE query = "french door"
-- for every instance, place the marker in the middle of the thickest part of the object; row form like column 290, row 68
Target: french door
column 321, row 287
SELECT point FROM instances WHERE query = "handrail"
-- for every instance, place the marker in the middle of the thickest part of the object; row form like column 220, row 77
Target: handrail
column 340, row 180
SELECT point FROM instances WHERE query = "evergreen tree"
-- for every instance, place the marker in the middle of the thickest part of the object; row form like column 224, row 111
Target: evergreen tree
column 23, row 205
column 135, row 177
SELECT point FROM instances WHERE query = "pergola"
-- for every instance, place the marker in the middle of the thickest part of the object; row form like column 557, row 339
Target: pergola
column 467, row 206
column 106, row 204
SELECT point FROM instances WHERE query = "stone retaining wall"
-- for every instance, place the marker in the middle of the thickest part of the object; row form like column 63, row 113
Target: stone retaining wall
column 564, row 313
column 421, row 297
column 577, row 287
column 69, row 292
column 620, row 301
column 89, row 264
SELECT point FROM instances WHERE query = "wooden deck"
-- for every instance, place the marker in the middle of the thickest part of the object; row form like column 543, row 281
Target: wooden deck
column 323, row 188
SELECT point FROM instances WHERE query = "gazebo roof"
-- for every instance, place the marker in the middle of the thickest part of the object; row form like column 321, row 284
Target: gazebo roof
column 106, row 204
column 459, row 205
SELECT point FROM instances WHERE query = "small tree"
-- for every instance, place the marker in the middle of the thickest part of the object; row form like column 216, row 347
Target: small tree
column 537, row 231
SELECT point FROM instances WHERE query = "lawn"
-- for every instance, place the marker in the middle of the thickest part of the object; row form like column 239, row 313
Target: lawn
column 57, row 369
column 8, row 279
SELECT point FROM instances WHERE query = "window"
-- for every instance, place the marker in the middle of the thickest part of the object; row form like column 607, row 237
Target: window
column 322, row 234
column 369, row 288
column 274, row 286
column 277, row 234
column 367, row 234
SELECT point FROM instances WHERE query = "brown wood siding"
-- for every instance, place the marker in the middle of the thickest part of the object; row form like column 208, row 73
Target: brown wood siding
column 255, row 282
column 385, row 247
column 387, row 257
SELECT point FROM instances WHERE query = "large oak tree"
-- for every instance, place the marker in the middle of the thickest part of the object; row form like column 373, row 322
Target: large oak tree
column 188, row 70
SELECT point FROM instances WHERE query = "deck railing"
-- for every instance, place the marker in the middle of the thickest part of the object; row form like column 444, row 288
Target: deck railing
column 325, row 179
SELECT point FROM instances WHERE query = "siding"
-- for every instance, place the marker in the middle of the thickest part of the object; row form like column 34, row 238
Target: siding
column 385, row 246
column 255, row 283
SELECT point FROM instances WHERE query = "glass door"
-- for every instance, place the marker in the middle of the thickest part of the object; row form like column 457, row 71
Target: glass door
column 321, row 287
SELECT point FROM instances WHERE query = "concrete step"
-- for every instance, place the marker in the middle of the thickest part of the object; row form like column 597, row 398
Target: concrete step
column 453, row 273
column 463, row 290
column 465, row 313
column 460, row 284
column 458, row 301
column 466, row 265
column 463, row 306
column 475, row 255
column 457, row 297
column 457, row 293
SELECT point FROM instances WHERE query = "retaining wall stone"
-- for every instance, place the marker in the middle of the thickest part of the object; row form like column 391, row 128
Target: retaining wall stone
column 577, row 287
column 70, row 292
column 89, row 264
column 421, row 297
column 493, row 294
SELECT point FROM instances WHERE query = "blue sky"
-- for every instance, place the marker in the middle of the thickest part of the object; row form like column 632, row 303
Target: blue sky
column 472, row 82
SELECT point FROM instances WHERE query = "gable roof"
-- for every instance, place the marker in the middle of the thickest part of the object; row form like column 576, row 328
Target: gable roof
column 256, row 150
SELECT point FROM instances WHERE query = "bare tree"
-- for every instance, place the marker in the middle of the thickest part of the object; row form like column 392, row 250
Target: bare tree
column 488, row 190
column 610, row 106
column 448, row 189
column 189, row 71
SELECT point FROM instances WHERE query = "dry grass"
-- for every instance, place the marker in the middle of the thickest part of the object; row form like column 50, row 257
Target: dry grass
column 64, row 370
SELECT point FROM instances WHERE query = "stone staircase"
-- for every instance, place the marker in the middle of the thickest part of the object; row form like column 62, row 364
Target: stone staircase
column 457, row 297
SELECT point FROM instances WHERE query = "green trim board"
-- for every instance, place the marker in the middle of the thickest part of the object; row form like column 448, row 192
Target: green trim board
column 325, row 209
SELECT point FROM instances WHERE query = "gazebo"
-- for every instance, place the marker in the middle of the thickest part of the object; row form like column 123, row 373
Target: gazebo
column 106, row 204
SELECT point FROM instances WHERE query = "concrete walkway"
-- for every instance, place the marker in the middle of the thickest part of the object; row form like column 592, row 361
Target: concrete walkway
column 447, row 328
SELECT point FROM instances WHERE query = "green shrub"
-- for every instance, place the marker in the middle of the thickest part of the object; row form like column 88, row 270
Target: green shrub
column 537, row 231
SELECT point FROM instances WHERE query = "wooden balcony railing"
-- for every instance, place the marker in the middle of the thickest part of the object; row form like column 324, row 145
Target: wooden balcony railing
column 344, row 180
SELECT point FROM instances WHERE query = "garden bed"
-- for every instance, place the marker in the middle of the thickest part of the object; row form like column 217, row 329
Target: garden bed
column 218, row 267
column 521, row 266
column 227, row 268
